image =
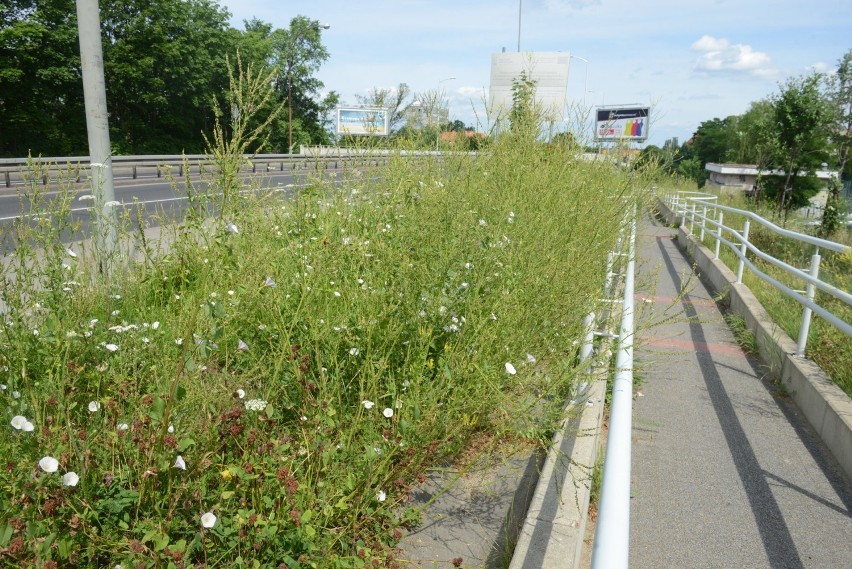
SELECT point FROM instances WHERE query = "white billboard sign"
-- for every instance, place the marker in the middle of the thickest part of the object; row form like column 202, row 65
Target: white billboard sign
column 547, row 69
column 363, row 121
column 622, row 124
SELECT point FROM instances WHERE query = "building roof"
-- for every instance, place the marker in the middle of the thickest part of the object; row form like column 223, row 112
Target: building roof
column 752, row 170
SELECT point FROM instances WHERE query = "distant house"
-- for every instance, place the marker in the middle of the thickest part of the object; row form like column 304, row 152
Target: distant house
column 452, row 137
column 734, row 177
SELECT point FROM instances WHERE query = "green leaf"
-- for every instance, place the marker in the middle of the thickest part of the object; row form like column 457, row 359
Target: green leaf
column 310, row 531
column 158, row 407
column 6, row 535
column 180, row 393
column 185, row 443
column 161, row 542
column 269, row 410
column 227, row 494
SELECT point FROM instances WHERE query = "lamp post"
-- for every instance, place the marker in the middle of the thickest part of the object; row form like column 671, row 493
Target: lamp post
column 290, row 63
column 439, row 97
column 586, row 80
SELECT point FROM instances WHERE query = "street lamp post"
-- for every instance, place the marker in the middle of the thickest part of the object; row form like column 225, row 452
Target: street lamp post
column 586, row 80
column 290, row 64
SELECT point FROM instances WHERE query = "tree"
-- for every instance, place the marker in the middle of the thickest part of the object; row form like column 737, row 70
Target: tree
column 41, row 87
column 396, row 101
column 802, row 117
column 839, row 90
column 298, row 53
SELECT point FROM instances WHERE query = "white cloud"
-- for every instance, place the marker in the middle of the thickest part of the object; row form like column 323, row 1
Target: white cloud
column 720, row 56
column 567, row 5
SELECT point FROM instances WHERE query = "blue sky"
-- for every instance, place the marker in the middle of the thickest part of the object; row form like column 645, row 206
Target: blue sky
column 691, row 60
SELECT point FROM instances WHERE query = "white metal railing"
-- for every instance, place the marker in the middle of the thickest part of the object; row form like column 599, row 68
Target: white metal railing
column 700, row 210
column 612, row 536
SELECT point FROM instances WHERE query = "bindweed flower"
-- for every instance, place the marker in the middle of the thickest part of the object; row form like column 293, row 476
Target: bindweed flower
column 381, row 496
column 510, row 369
column 111, row 347
column 232, row 228
column 180, row 463
column 208, row 520
column 241, row 393
column 49, row 464
column 171, row 429
column 94, row 406
column 531, row 359
column 242, row 346
column 28, row 427
column 122, row 426
column 368, row 404
column 18, row 421
column 388, row 412
column 70, row 479
column 269, row 282
column 354, row 351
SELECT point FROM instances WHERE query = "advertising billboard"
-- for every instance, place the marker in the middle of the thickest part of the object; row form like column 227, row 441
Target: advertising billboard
column 547, row 69
column 363, row 121
column 622, row 124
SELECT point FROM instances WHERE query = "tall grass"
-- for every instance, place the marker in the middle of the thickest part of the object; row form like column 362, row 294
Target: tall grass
column 264, row 390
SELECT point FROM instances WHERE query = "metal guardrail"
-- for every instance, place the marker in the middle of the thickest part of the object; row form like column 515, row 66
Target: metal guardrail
column 697, row 209
column 156, row 166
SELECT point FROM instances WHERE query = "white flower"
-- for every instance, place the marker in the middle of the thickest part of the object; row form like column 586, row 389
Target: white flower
column 242, row 346
column 241, row 393
column 368, row 404
column 71, row 253
column 111, row 347
column 381, row 496
column 16, row 395
column 256, row 404
column 180, row 463
column 18, row 421
column 179, row 341
column 230, row 293
column 269, row 282
column 171, row 429
column 155, row 325
column 122, row 426
column 28, row 427
column 531, row 359
column 354, row 351
column 145, row 340
column 208, row 520
column 70, row 479
column 48, row 464
column 232, row 228
column 483, row 223
column 388, row 412
column 94, row 406
column 337, row 294
column 510, row 369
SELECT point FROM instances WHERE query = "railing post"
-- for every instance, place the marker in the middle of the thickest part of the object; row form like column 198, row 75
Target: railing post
column 8, row 179
column 719, row 232
column 134, row 172
column 806, row 313
column 743, row 250
column 703, row 221
column 589, row 337
column 692, row 218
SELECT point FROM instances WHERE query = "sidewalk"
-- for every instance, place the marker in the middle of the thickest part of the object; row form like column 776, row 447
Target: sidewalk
column 726, row 473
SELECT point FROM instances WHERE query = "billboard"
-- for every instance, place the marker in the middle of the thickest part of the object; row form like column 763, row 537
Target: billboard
column 548, row 69
column 363, row 121
column 622, row 124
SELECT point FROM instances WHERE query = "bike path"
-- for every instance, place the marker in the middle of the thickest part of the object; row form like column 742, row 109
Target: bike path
column 726, row 473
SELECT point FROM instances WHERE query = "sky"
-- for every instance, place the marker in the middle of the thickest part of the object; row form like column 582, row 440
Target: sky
column 689, row 60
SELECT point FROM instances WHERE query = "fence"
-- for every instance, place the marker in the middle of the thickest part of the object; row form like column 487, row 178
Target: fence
column 698, row 210
column 155, row 166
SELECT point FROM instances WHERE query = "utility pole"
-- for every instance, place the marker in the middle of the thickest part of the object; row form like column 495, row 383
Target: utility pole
column 97, row 126
column 520, row 8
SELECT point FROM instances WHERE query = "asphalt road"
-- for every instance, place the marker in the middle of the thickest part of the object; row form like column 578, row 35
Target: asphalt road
column 160, row 200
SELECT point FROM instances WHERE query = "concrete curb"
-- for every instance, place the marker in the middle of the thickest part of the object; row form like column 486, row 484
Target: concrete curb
column 555, row 525
column 827, row 408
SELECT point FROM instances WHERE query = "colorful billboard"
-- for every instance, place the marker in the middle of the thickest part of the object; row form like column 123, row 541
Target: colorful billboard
column 363, row 121
column 622, row 124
